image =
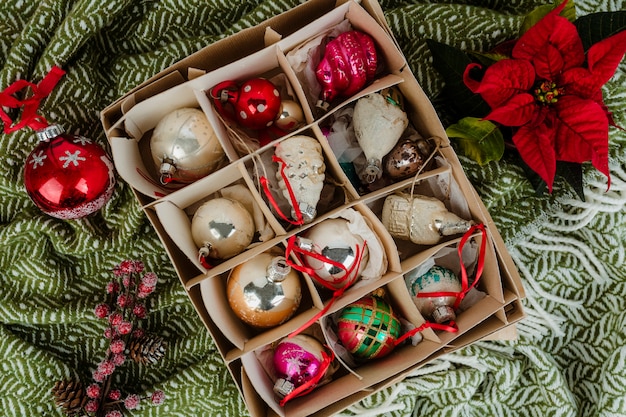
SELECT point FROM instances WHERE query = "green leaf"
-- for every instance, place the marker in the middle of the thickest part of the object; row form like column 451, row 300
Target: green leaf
column 569, row 12
column 480, row 140
column 572, row 172
column 450, row 62
column 592, row 28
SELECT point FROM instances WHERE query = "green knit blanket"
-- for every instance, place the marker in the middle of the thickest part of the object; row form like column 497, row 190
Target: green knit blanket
column 569, row 359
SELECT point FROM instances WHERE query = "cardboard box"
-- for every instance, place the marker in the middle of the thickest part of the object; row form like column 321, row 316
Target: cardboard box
column 269, row 50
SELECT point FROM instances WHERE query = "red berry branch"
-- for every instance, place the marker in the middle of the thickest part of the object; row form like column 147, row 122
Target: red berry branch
column 124, row 307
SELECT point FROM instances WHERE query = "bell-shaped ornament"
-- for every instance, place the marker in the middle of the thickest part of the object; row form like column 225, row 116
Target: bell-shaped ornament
column 184, row 146
column 336, row 255
column 301, row 170
column 222, row 228
column 264, row 291
column 440, row 308
column 378, row 125
column 422, row 220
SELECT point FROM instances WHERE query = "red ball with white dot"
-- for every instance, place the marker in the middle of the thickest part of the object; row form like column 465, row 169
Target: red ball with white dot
column 255, row 104
column 68, row 176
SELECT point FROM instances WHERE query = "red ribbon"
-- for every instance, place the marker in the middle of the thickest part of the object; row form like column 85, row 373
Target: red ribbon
column 312, row 383
column 31, row 104
column 294, row 202
column 351, row 274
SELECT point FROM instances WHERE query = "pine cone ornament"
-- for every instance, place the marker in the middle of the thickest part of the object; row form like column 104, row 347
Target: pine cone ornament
column 148, row 349
column 70, row 396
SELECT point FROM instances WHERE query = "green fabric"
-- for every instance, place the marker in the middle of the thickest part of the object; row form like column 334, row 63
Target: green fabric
column 571, row 354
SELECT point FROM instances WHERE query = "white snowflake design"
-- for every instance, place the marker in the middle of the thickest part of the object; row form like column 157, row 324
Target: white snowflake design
column 82, row 140
column 37, row 159
column 71, row 158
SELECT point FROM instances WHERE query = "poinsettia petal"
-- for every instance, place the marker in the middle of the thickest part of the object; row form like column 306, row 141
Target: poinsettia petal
column 549, row 63
column 582, row 133
column 556, row 31
column 518, row 111
column 535, row 145
column 580, row 82
column 604, row 57
column 505, row 79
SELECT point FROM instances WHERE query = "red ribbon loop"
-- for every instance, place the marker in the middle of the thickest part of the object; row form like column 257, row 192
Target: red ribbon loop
column 29, row 105
column 351, row 274
column 292, row 197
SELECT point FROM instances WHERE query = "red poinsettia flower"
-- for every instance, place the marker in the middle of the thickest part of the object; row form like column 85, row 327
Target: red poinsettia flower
column 552, row 94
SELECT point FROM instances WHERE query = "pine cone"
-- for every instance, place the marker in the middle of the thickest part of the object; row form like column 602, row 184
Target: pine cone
column 148, row 349
column 70, row 396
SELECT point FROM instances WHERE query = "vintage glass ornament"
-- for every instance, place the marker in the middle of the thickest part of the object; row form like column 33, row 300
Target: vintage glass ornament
column 264, row 291
column 304, row 173
column 407, row 158
column 290, row 117
column 184, row 146
column 222, row 228
column 368, row 328
column 297, row 360
column 255, row 104
column 436, row 279
column 332, row 239
column 68, row 176
column 349, row 62
column 378, row 125
column 422, row 220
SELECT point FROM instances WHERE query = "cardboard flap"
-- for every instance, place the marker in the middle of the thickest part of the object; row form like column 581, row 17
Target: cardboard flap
column 125, row 154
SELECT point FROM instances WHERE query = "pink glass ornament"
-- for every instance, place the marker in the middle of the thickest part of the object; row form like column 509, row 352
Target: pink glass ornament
column 348, row 64
column 68, row 176
column 255, row 104
column 297, row 360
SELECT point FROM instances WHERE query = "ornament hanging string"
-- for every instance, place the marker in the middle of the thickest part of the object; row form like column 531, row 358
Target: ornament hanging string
column 312, row 383
column 451, row 327
column 351, row 274
column 30, row 105
column 292, row 197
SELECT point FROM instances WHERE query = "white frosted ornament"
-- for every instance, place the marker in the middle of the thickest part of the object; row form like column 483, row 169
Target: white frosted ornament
column 422, row 220
column 184, row 146
column 332, row 239
column 304, row 170
column 222, row 228
column 379, row 121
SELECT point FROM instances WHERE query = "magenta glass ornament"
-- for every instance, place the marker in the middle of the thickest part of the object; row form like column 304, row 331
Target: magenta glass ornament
column 255, row 104
column 348, row 64
column 68, row 176
column 297, row 361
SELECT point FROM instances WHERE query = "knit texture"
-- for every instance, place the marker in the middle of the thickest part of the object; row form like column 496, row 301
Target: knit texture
column 569, row 360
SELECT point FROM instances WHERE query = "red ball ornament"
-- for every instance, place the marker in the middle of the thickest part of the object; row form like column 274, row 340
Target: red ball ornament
column 255, row 104
column 68, row 176
column 348, row 64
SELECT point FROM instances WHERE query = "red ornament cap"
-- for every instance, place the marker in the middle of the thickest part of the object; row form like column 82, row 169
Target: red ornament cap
column 68, row 176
